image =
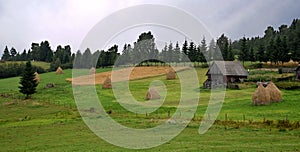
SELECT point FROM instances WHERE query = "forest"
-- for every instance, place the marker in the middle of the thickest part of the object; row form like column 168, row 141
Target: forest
column 275, row 46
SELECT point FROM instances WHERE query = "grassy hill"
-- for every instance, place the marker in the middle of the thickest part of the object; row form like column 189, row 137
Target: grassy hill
column 50, row 120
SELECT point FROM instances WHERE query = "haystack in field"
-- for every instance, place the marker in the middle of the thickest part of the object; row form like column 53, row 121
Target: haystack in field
column 59, row 70
column 92, row 71
column 275, row 93
column 261, row 96
column 152, row 94
column 37, row 77
column 107, row 83
column 171, row 75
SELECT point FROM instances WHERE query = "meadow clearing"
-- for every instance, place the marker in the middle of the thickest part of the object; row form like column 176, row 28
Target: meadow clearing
column 50, row 121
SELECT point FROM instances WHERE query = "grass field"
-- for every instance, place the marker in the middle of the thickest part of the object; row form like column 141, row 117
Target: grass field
column 50, row 120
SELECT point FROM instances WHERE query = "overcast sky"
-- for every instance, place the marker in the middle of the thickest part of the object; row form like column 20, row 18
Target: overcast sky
column 68, row 21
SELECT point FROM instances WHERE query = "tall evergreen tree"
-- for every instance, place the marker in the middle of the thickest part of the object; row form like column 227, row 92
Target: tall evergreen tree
column 28, row 82
column 184, row 56
column 244, row 51
column 192, row 52
column 252, row 55
column 13, row 53
column 177, row 53
column 6, row 54
column 230, row 56
column 260, row 56
column 222, row 43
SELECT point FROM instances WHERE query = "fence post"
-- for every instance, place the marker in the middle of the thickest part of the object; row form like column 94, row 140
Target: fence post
column 226, row 117
column 244, row 117
column 169, row 113
column 286, row 117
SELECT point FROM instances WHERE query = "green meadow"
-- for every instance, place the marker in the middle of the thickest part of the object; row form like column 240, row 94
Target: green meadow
column 50, row 120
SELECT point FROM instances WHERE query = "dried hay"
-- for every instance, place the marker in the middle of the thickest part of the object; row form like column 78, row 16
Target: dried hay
column 59, row 70
column 107, row 83
column 37, row 77
column 171, row 75
column 261, row 96
column 92, row 71
column 152, row 94
column 275, row 93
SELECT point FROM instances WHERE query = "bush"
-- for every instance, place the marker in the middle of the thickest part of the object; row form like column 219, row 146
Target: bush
column 288, row 85
column 204, row 65
column 257, row 65
column 16, row 69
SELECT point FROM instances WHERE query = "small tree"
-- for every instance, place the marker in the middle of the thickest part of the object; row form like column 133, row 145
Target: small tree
column 28, row 82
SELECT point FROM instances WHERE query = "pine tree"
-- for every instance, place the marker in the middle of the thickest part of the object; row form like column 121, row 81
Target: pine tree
column 28, row 82
column 177, row 53
column 6, row 54
column 230, row 56
column 244, row 50
column 184, row 57
column 261, row 53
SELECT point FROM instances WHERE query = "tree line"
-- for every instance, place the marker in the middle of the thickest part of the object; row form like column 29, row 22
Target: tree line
column 275, row 46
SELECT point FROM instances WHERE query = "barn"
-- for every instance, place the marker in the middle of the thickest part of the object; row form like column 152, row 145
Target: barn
column 222, row 73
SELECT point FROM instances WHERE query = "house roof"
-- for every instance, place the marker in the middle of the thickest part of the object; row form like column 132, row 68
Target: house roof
column 229, row 68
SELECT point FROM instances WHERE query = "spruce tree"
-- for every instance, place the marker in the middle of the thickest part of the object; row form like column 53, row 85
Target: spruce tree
column 28, row 82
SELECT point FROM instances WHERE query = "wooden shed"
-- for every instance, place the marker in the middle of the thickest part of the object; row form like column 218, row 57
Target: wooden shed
column 225, row 72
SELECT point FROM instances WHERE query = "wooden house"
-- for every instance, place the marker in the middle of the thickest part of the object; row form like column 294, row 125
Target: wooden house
column 222, row 73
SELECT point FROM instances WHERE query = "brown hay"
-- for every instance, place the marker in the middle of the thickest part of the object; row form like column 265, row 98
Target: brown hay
column 92, row 71
column 120, row 75
column 59, row 70
column 37, row 77
column 261, row 96
column 171, row 75
column 275, row 93
column 107, row 83
column 152, row 94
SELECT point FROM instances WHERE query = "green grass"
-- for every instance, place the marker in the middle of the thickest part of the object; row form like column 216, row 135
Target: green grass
column 50, row 121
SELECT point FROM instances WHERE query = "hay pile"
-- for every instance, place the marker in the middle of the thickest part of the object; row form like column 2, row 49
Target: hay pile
column 261, row 96
column 92, row 71
column 171, row 75
column 59, row 70
column 37, row 77
column 275, row 93
column 152, row 94
column 107, row 83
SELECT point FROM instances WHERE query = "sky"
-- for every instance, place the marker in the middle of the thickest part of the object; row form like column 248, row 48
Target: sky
column 67, row 22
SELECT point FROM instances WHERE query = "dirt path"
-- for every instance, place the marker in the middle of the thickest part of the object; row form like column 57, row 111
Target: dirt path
column 122, row 74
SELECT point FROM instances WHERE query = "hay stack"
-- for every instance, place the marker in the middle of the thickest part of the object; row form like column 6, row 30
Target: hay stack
column 92, row 71
column 37, row 77
column 152, row 94
column 59, row 70
column 107, row 83
column 171, row 75
column 275, row 93
column 261, row 96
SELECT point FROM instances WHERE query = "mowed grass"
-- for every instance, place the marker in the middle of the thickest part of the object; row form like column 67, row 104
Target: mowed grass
column 50, row 121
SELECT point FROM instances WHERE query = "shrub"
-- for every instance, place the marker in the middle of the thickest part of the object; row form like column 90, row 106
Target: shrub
column 288, row 85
